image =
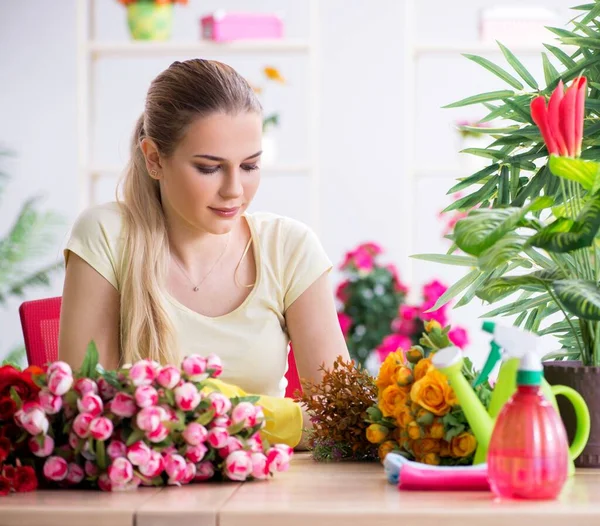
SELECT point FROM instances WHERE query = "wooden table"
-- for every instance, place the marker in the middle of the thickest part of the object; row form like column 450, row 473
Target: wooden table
column 310, row 494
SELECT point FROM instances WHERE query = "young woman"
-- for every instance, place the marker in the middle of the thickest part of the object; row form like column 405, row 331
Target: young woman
column 180, row 267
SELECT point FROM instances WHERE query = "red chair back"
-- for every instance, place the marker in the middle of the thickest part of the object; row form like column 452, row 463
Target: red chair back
column 40, row 322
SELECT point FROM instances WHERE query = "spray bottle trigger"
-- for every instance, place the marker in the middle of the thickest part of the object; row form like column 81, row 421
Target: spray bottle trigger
column 493, row 358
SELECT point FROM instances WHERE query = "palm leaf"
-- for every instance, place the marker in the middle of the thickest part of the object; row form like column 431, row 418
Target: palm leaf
column 496, row 70
column 538, row 281
column 482, row 97
column 518, row 66
column 579, row 297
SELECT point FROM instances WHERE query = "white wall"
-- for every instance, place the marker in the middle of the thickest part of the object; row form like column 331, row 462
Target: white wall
column 363, row 186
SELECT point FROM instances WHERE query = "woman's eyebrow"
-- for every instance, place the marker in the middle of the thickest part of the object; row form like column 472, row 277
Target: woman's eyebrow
column 215, row 158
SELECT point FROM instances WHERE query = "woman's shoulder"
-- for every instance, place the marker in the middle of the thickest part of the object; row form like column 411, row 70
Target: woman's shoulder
column 105, row 217
column 275, row 227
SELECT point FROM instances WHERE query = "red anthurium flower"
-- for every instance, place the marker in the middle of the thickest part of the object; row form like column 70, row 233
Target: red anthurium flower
column 561, row 123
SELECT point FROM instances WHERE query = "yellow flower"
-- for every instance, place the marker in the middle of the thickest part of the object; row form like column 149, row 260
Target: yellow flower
column 377, row 433
column 403, row 416
column 436, row 430
column 451, row 398
column 426, row 445
column 398, row 434
column 273, row 74
column 431, row 458
column 387, row 371
column 431, row 325
column 430, row 392
column 422, row 368
column 385, row 448
column 403, row 376
column 414, row 354
column 445, row 449
column 391, row 398
column 463, row 445
column 414, row 430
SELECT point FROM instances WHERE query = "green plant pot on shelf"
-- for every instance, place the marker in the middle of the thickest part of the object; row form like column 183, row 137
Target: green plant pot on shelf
column 150, row 21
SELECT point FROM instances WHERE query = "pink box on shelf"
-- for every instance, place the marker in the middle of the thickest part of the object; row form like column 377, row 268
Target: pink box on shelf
column 222, row 26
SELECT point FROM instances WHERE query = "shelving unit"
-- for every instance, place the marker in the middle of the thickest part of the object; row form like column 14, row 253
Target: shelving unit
column 90, row 50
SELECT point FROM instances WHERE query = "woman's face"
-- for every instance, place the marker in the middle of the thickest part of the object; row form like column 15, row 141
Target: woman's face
column 213, row 174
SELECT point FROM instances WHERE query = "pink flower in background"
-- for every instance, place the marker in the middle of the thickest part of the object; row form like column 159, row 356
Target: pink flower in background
column 85, row 385
column 345, row 322
column 116, row 449
column 74, row 473
column 361, row 258
column 56, row 468
column 45, row 449
column 372, row 248
column 204, row 471
column 398, row 285
column 433, row 290
column 438, row 315
column 392, row 343
column 342, row 291
column 459, row 337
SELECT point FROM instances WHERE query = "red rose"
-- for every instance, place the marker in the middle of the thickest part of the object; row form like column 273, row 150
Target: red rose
column 4, row 486
column 7, row 408
column 21, row 381
column 8, row 472
column 4, row 449
column 25, row 479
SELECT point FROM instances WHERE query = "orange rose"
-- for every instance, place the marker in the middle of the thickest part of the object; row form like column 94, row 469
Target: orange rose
column 430, row 392
column 403, row 416
column 414, row 354
column 398, row 435
column 451, row 397
column 403, row 376
column 387, row 371
column 421, row 368
column 426, row 445
column 387, row 447
column 392, row 398
column 436, row 430
column 445, row 449
column 414, row 430
column 463, row 445
column 431, row 458
column 377, row 433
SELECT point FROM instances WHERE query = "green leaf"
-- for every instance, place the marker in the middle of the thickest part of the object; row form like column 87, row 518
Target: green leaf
column 579, row 297
column 448, row 259
column 496, row 70
column 518, row 66
column 474, row 288
column 475, row 178
column 561, row 55
column 503, row 250
column 486, row 152
column 455, row 289
column 537, row 281
column 471, row 200
column 206, row 417
column 15, row 397
column 101, row 454
column 585, row 42
column 581, row 232
column 482, row 97
column 536, row 183
column 88, row 368
column 586, row 173
column 136, row 434
column 550, row 72
column 594, row 13
column 518, row 306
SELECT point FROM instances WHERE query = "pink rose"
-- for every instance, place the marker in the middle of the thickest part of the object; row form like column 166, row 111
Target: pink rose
column 149, row 418
column 187, row 396
column 142, row 373
column 104, row 482
column 214, row 365
column 106, row 390
column 204, row 471
column 101, row 428
column 244, row 413
column 51, row 403
column 438, row 315
column 392, row 343
column 134, row 483
column 120, row 471
column 175, row 467
column 194, row 433
column 168, row 377
column 219, row 403
column 32, row 418
column 194, row 366
column 259, row 466
column 433, row 290
column 123, row 405
column 146, row 395
column 91, row 469
column 372, row 248
column 45, row 449
column 170, row 412
column 238, row 466
column 459, row 337
column 190, row 473
column 345, row 322
column 408, row 312
column 90, row 403
column 84, row 386
column 277, row 460
column 62, row 367
column 158, row 435
column 341, row 292
column 59, row 383
column 217, row 437
column 154, row 466
column 232, row 444
column 255, row 443
column 259, row 416
column 56, row 468
column 116, row 449
column 75, row 473
column 221, row 421
column 139, row 453
column 81, row 424
column 289, row 451
column 195, row 454
column 73, row 439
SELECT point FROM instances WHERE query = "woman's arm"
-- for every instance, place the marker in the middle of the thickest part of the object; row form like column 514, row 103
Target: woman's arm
column 90, row 311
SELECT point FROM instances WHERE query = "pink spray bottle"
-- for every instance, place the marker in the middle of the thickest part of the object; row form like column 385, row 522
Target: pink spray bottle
column 528, row 454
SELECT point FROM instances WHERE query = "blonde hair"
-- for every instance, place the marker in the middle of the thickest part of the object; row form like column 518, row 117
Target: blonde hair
column 180, row 94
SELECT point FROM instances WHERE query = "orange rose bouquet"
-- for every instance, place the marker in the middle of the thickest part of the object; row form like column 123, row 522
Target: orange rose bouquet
column 417, row 413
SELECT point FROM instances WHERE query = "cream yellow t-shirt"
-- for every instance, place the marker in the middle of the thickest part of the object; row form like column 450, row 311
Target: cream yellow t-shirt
column 252, row 341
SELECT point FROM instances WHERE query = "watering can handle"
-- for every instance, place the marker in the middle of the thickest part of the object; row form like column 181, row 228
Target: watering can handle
column 582, row 432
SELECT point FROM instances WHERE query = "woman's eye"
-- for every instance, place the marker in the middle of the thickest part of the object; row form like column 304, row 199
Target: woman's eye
column 250, row 167
column 207, row 169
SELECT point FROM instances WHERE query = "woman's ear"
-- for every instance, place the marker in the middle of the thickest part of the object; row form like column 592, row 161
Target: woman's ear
column 152, row 157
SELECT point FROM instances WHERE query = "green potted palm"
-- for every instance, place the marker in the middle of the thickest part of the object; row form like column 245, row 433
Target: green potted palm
column 530, row 239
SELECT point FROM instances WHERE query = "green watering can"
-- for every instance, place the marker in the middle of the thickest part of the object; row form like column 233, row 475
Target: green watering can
column 515, row 342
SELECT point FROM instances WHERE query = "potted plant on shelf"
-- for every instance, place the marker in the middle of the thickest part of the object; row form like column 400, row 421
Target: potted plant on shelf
column 531, row 235
column 150, row 19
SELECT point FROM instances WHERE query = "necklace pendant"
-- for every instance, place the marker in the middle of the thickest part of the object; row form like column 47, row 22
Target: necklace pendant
column 196, row 289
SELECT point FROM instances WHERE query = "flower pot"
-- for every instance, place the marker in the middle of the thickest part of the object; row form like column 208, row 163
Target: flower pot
column 586, row 381
column 150, row 21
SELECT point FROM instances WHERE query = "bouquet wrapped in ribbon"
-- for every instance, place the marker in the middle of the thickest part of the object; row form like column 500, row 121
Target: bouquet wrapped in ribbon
column 115, row 430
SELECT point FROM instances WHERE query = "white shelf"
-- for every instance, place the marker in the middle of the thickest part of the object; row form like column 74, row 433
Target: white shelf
column 270, row 170
column 474, row 48
column 101, row 49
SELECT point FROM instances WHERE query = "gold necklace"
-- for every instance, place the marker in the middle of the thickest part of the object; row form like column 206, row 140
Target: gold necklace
column 196, row 286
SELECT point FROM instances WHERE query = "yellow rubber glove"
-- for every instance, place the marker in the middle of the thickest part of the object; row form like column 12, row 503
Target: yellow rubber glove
column 283, row 416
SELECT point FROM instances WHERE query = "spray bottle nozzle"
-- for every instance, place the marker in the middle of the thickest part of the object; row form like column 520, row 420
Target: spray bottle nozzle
column 493, row 358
